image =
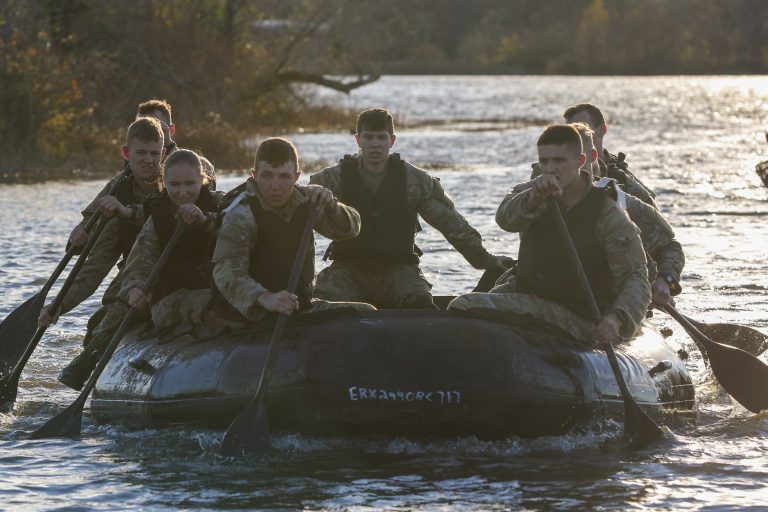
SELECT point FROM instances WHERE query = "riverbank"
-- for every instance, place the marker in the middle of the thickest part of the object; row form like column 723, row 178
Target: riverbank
column 230, row 149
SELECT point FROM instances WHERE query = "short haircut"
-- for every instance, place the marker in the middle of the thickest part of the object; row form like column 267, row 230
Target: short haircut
column 585, row 132
column 375, row 120
column 144, row 129
column 564, row 134
column 150, row 107
column 594, row 113
column 276, row 151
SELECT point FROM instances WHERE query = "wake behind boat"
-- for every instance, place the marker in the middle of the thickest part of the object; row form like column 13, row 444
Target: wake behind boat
column 395, row 372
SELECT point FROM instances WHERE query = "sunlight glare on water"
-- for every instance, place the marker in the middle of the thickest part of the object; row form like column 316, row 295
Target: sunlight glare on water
column 694, row 140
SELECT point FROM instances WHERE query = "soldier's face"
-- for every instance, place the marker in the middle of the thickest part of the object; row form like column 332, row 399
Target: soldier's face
column 183, row 183
column 275, row 182
column 374, row 145
column 144, row 159
column 561, row 161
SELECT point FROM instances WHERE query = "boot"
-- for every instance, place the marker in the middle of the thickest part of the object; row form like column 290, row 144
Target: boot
column 77, row 372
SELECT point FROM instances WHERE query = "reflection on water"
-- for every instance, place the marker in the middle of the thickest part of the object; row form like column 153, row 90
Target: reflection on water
column 694, row 140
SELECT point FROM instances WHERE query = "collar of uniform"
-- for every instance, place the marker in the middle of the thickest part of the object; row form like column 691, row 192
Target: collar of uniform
column 296, row 198
column 140, row 194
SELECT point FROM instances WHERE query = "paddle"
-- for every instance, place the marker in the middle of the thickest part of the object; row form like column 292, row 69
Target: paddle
column 741, row 374
column 10, row 383
column 639, row 429
column 67, row 423
column 19, row 326
column 249, row 431
column 490, row 275
column 743, row 337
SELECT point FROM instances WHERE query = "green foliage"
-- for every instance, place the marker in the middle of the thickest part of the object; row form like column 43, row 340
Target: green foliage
column 73, row 71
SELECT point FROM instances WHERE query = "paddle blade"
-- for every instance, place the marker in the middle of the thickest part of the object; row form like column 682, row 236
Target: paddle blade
column 742, row 375
column 17, row 329
column 248, row 434
column 745, row 338
column 9, row 385
column 639, row 429
column 65, row 424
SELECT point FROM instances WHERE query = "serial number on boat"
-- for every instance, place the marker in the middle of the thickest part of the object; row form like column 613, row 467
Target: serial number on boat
column 444, row 397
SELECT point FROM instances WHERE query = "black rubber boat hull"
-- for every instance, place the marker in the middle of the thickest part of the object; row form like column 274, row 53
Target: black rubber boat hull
column 394, row 372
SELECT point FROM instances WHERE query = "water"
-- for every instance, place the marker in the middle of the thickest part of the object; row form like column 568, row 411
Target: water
column 694, row 140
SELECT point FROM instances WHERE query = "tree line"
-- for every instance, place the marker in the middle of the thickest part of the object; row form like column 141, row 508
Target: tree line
column 73, row 71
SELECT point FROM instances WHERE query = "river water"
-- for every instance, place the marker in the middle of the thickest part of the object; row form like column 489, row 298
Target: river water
column 694, row 140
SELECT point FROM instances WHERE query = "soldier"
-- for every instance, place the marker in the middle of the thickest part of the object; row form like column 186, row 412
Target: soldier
column 606, row 240
column 259, row 236
column 607, row 164
column 183, row 289
column 381, row 266
column 143, row 150
column 157, row 109
column 161, row 111
column 665, row 254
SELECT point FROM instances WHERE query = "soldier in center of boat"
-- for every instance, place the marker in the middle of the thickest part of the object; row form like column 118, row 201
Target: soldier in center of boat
column 260, row 235
column 607, row 242
column 381, row 265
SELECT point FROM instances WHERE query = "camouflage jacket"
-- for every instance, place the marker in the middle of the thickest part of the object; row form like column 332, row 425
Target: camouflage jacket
column 88, row 211
column 427, row 196
column 239, row 234
column 145, row 252
column 623, row 248
column 104, row 255
column 665, row 254
column 632, row 186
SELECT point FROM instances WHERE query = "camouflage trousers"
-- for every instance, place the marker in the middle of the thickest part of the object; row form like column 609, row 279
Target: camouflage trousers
column 113, row 315
column 108, row 299
column 394, row 286
column 192, row 307
column 559, row 318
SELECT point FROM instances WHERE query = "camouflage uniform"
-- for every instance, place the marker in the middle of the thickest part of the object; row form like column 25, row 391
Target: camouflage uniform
column 624, row 254
column 619, row 162
column 105, row 254
column 88, row 211
column 633, row 186
column 182, row 306
column 396, row 285
column 239, row 234
column 664, row 254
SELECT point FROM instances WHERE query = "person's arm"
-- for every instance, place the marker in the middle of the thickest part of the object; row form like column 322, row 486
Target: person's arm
column 513, row 214
column 329, row 178
column 338, row 221
column 141, row 260
column 659, row 242
column 104, row 255
column 437, row 209
column 635, row 188
column 627, row 265
column 231, row 259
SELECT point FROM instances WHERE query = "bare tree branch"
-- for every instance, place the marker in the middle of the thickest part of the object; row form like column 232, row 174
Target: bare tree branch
column 337, row 85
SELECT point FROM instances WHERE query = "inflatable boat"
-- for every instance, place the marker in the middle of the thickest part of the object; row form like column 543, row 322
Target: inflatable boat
column 399, row 372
